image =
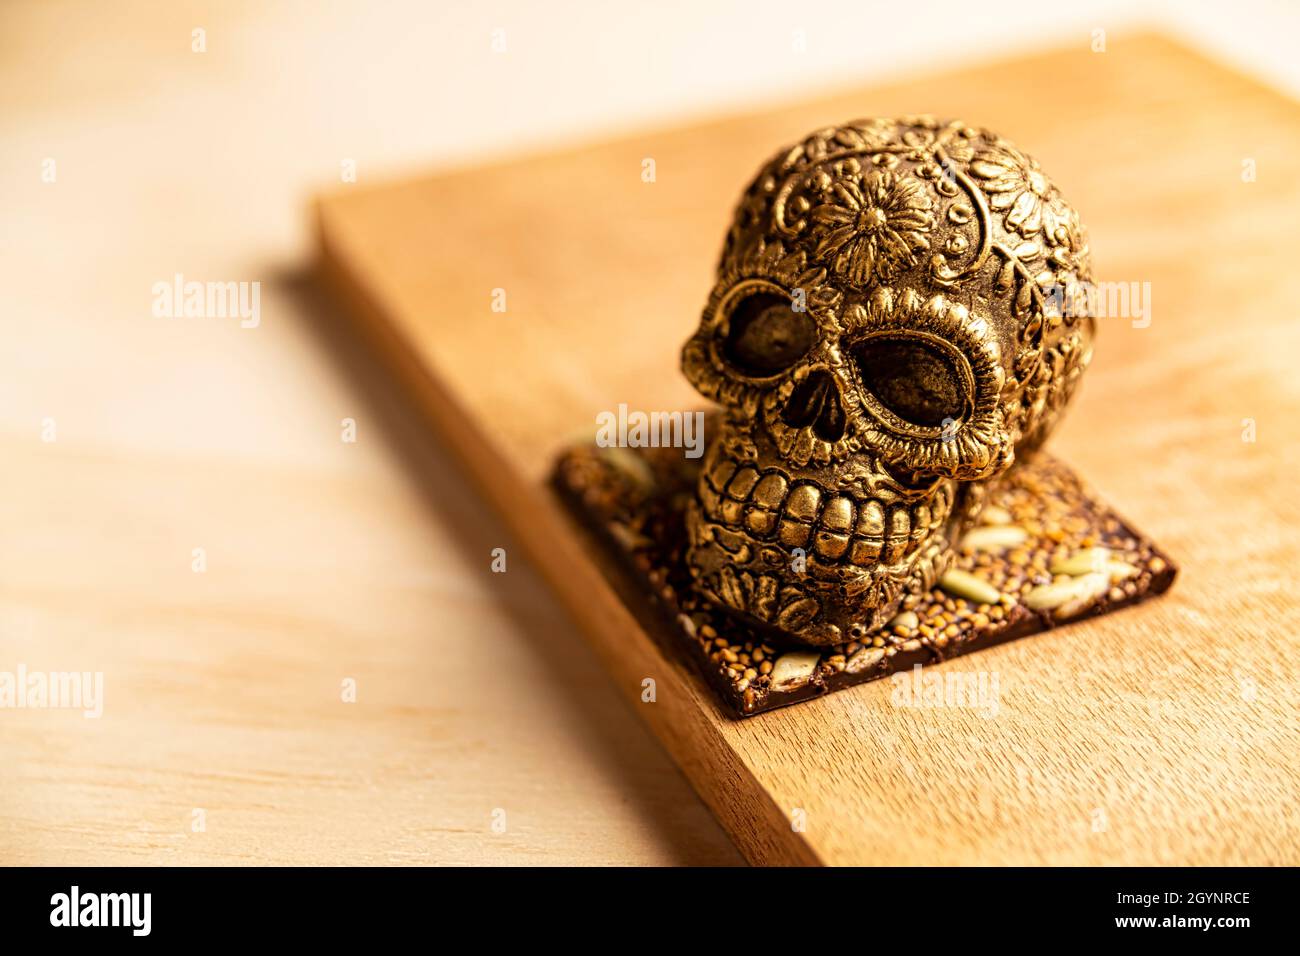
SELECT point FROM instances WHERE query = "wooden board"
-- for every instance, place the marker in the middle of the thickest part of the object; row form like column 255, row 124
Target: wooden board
column 1183, row 747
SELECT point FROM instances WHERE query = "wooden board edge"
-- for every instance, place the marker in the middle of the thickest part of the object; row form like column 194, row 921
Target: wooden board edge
column 1134, row 38
column 684, row 717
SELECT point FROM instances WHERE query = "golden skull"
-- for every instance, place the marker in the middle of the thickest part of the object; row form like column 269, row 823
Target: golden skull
column 889, row 329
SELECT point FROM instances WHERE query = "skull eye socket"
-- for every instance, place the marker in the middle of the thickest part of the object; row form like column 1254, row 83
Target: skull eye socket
column 765, row 335
column 916, row 379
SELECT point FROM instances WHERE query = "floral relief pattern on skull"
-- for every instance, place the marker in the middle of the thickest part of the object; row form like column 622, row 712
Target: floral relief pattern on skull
column 883, row 339
column 868, row 226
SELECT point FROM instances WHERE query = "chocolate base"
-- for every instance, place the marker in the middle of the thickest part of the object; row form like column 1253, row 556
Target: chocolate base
column 635, row 500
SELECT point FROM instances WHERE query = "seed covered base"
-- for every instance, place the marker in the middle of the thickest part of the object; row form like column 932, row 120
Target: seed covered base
column 1047, row 553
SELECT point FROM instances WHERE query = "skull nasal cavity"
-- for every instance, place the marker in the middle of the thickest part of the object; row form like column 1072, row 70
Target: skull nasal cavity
column 816, row 401
column 765, row 335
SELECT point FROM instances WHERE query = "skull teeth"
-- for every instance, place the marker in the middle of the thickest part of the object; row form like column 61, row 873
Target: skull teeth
column 835, row 527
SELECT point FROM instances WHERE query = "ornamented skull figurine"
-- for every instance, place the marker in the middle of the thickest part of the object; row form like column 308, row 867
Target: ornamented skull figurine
column 890, row 328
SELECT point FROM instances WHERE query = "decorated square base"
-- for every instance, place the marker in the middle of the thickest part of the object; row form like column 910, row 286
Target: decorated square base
column 1048, row 553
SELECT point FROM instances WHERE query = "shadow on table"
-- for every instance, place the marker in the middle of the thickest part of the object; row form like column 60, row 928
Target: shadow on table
column 598, row 719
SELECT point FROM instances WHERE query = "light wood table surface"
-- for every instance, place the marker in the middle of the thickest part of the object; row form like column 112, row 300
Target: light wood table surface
column 329, row 560
column 326, row 560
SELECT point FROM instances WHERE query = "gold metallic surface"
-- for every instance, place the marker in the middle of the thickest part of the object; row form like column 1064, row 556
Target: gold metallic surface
column 891, row 326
